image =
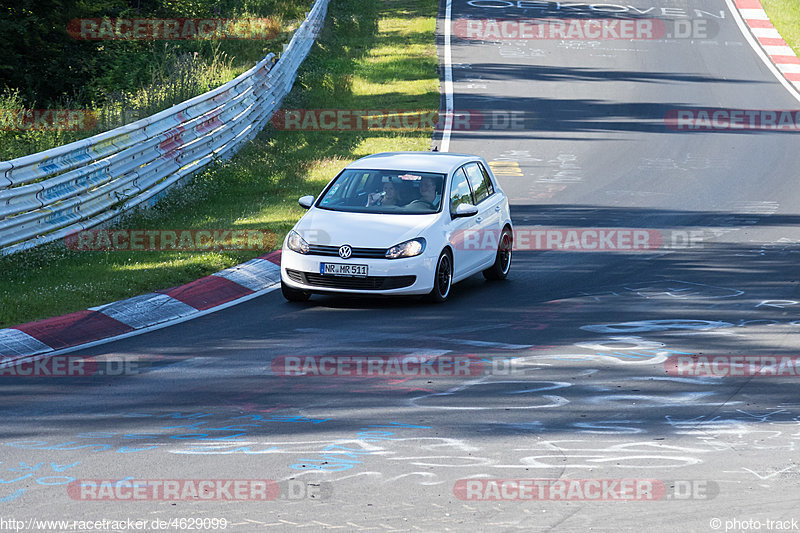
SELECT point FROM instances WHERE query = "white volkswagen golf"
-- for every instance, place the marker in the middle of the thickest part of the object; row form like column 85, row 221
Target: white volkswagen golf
column 400, row 223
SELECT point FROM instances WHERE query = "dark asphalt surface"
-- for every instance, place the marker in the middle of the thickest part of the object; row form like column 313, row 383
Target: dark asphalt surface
column 574, row 384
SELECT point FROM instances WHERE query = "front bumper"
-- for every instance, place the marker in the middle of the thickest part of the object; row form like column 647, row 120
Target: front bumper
column 410, row 275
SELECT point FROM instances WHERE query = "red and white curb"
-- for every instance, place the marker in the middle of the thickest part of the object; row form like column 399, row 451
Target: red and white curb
column 141, row 313
column 770, row 41
column 258, row 276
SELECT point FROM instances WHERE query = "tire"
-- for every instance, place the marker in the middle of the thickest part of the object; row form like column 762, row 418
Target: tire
column 442, row 278
column 502, row 262
column 294, row 295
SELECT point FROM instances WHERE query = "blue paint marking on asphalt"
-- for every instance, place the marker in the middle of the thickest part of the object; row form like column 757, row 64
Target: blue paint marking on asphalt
column 28, row 470
column 234, row 433
column 13, row 496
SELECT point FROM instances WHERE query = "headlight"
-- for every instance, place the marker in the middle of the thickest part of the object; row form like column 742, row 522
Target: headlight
column 296, row 243
column 406, row 249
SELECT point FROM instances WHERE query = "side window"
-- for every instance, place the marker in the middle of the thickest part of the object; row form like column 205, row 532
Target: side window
column 459, row 191
column 477, row 181
column 488, row 180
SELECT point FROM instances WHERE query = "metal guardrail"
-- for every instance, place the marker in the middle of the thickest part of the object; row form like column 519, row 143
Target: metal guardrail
column 49, row 195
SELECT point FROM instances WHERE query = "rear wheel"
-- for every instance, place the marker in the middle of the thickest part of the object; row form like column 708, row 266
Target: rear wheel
column 294, row 295
column 502, row 262
column 443, row 279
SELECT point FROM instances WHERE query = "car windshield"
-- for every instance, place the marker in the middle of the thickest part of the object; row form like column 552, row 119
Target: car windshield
column 384, row 191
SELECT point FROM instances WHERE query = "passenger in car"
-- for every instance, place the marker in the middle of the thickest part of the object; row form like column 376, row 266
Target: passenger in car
column 391, row 195
column 388, row 196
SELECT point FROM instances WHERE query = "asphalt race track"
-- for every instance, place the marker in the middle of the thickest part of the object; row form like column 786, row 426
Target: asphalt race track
column 574, row 352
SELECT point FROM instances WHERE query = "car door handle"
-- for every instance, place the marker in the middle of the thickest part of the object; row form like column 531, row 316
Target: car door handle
column 497, row 208
column 479, row 219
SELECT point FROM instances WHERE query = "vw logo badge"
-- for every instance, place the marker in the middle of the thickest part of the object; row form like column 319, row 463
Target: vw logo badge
column 345, row 251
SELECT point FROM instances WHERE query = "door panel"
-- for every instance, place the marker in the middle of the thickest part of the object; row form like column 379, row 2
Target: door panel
column 489, row 219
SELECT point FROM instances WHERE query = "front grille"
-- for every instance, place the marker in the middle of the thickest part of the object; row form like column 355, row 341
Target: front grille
column 369, row 283
column 333, row 251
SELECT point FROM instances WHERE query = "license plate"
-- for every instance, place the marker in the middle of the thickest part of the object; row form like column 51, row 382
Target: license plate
column 340, row 269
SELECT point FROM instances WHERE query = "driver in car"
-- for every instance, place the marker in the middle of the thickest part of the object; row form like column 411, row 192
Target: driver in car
column 427, row 191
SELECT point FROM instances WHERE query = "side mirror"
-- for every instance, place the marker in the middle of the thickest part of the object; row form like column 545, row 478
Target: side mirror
column 466, row 210
column 306, row 201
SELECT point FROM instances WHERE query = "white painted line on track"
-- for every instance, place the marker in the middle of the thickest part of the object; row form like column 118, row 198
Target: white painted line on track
column 448, row 79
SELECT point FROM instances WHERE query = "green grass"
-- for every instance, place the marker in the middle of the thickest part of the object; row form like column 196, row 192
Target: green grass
column 785, row 16
column 139, row 79
column 371, row 55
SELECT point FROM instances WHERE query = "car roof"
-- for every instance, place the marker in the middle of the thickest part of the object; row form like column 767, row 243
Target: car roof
column 440, row 162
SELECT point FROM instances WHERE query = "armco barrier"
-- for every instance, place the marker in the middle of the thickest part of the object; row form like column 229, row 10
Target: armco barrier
column 48, row 195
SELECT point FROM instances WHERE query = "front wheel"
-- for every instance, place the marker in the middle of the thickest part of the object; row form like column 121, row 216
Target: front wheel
column 502, row 261
column 443, row 279
column 294, row 295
